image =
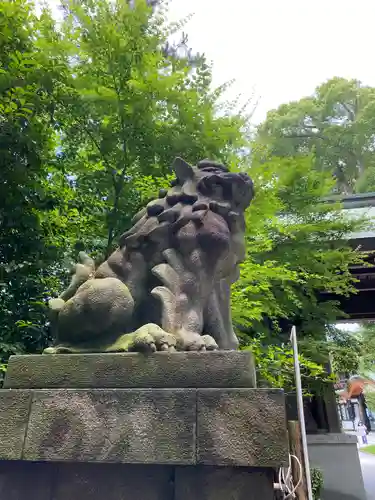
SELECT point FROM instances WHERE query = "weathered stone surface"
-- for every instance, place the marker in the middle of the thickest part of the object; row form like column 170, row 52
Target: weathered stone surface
column 241, row 427
column 223, row 483
column 114, row 482
column 163, row 369
column 170, row 275
column 14, row 413
column 236, row 427
column 333, row 454
column 79, row 481
column 129, row 426
column 26, row 481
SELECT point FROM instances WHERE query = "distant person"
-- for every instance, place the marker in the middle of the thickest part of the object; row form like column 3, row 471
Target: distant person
column 362, row 431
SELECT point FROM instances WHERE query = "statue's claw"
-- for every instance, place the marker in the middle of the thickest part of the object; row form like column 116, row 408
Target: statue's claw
column 147, row 339
column 210, row 343
column 151, row 338
column 195, row 342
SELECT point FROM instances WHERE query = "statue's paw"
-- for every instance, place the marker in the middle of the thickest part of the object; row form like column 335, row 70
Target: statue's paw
column 151, row 338
column 210, row 343
column 196, row 342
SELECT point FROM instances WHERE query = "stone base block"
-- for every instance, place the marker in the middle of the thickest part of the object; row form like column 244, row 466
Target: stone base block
column 223, row 483
column 334, row 454
column 169, row 426
column 56, row 481
column 237, row 427
column 132, row 370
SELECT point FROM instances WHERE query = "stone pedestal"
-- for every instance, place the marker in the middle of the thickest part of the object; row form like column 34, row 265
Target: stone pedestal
column 337, row 457
column 175, row 426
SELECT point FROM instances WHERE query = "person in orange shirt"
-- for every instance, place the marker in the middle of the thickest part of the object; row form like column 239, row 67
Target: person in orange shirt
column 355, row 389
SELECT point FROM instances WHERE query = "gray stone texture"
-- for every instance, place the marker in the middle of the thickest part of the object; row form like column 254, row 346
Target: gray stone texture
column 57, row 481
column 242, row 427
column 26, row 481
column 127, row 441
column 223, row 483
column 132, row 370
column 238, row 427
column 112, row 425
column 14, row 416
column 114, row 482
column 337, row 456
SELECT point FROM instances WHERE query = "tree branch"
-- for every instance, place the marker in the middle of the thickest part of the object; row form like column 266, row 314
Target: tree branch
column 118, row 185
column 348, row 110
column 304, row 136
column 117, row 180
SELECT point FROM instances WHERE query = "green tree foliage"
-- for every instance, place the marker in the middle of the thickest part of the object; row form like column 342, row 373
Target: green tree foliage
column 367, row 360
column 131, row 107
column 346, row 349
column 370, row 399
column 92, row 112
column 26, row 148
column 306, row 150
column 367, row 335
column 317, row 482
column 336, row 126
column 275, row 366
column 296, row 247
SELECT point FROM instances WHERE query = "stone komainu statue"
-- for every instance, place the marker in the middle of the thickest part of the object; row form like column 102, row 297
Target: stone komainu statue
column 167, row 285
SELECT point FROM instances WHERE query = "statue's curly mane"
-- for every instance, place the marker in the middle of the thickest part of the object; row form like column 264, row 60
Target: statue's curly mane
column 194, row 192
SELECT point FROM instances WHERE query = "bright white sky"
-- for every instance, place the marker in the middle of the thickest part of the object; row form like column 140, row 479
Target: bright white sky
column 282, row 48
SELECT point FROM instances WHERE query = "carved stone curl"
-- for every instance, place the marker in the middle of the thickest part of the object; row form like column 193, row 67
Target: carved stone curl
column 167, row 285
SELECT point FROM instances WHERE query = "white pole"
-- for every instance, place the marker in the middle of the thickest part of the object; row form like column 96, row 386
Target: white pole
column 293, row 338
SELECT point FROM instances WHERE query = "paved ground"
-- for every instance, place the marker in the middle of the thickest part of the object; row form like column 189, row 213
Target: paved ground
column 368, row 468
column 368, row 471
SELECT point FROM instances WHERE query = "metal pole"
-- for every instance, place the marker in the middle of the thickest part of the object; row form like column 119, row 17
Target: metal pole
column 293, row 338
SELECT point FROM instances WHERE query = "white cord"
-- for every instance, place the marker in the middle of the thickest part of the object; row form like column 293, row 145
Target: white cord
column 286, row 480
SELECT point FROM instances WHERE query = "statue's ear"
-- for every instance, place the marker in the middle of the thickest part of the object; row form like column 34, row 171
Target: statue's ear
column 183, row 170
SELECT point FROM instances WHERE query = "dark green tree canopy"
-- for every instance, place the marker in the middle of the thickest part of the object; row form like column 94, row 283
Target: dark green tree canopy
column 336, row 125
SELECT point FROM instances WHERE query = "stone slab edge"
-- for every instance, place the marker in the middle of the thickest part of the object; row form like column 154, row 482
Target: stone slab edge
column 221, row 369
column 331, row 438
